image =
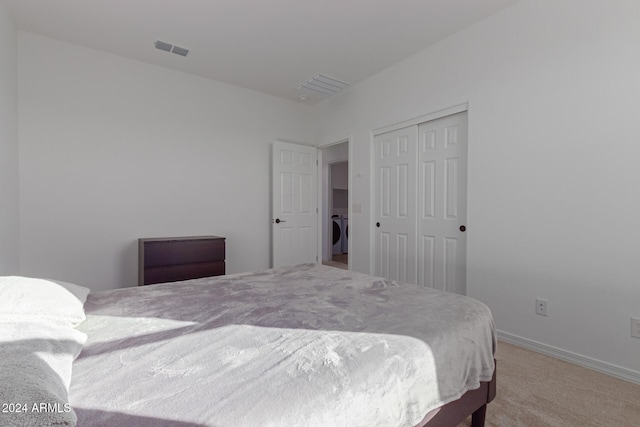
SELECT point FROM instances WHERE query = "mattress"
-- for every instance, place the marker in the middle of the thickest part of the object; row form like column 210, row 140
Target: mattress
column 307, row 345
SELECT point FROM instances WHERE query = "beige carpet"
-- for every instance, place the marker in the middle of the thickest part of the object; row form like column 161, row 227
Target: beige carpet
column 539, row 390
column 339, row 261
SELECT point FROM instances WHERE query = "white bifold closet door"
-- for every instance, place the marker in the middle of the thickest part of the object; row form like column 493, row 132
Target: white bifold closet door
column 420, row 204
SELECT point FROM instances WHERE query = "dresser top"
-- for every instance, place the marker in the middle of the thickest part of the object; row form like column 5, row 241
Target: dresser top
column 152, row 239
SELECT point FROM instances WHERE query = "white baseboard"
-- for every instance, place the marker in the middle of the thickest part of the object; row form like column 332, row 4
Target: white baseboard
column 578, row 359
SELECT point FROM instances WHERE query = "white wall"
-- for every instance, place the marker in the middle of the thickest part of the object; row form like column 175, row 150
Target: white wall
column 9, row 220
column 340, row 175
column 554, row 149
column 112, row 150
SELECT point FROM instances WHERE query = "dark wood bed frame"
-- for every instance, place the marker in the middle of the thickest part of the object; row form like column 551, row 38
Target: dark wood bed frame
column 179, row 258
column 473, row 402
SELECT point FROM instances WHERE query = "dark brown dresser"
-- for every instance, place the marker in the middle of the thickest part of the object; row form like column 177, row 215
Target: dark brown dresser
column 169, row 259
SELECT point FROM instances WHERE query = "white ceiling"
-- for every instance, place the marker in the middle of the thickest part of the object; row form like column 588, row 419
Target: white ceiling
column 270, row 46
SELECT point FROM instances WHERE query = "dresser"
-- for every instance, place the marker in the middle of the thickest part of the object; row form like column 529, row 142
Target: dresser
column 170, row 259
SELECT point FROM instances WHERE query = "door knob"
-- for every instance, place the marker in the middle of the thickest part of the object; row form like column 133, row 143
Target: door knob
column 378, row 224
column 463, row 228
column 278, row 220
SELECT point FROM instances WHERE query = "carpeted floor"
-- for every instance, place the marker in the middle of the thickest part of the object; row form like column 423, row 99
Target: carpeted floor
column 339, row 261
column 538, row 390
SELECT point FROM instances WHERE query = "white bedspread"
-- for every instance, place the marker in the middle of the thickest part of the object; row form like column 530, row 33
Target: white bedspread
column 303, row 346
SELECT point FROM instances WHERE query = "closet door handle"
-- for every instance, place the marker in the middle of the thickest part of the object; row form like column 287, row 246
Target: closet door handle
column 278, row 220
column 378, row 224
column 463, row 228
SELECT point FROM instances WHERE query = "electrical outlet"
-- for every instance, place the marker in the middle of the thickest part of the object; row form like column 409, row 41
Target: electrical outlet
column 635, row 327
column 541, row 307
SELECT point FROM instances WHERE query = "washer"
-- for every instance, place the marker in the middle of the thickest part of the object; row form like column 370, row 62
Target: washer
column 339, row 234
column 336, row 234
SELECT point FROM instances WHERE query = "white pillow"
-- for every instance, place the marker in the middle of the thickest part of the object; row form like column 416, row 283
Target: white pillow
column 41, row 300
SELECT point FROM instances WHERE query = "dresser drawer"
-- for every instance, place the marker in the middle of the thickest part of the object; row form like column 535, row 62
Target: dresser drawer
column 177, row 252
column 173, row 273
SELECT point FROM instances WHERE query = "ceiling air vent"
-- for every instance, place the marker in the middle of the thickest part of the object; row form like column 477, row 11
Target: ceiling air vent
column 171, row 48
column 163, row 46
column 322, row 85
column 180, row 51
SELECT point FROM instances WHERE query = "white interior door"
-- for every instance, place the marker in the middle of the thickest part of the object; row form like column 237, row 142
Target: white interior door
column 420, row 209
column 442, row 189
column 294, row 219
column 395, row 204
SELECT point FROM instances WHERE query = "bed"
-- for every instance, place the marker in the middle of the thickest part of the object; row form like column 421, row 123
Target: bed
column 308, row 345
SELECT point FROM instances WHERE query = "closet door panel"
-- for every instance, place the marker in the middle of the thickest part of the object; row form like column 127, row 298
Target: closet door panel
column 395, row 204
column 443, row 194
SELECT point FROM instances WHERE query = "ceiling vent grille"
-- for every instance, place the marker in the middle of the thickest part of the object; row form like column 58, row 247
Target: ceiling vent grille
column 171, row 48
column 323, row 85
column 180, row 51
column 163, row 46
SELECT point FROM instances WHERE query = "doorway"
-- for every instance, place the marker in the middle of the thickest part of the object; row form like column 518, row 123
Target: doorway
column 335, row 205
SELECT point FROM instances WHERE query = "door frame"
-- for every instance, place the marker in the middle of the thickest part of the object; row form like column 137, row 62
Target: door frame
column 459, row 108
